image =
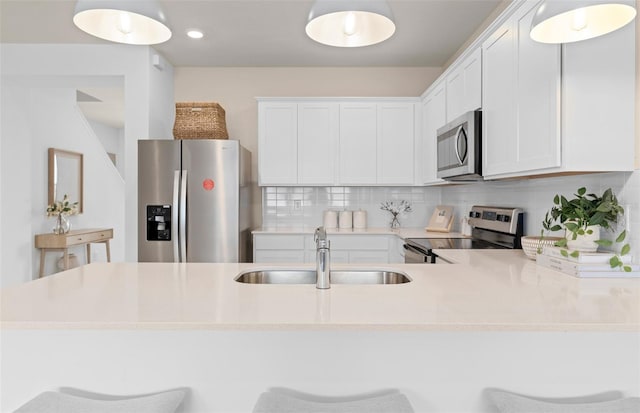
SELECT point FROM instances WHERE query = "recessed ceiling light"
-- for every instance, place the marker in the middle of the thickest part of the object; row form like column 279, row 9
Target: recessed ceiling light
column 195, row 34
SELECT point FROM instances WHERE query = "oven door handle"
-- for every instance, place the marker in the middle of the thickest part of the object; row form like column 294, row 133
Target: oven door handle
column 415, row 249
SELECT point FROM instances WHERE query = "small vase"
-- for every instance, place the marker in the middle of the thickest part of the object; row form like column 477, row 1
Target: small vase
column 62, row 224
column 394, row 222
column 586, row 242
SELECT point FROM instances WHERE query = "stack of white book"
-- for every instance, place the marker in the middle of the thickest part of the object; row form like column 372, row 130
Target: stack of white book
column 585, row 264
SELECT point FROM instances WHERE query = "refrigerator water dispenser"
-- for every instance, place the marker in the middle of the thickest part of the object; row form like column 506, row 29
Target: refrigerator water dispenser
column 158, row 222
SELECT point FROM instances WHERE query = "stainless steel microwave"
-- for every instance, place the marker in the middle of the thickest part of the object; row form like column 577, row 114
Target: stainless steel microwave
column 460, row 148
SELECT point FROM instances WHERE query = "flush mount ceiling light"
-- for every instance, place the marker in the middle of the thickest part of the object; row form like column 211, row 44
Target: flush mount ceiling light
column 356, row 23
column 139, row 22
column 566, row 21
column 195, row 34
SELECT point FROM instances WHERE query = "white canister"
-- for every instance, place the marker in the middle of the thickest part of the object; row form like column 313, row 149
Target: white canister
column 330, row 219
column 359, row 219
column 346, row 219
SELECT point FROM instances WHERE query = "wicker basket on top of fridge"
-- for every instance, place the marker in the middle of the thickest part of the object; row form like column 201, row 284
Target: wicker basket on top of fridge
column 200, row 120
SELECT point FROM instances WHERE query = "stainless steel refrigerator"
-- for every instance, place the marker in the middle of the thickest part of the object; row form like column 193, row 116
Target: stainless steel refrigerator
column 194, row 201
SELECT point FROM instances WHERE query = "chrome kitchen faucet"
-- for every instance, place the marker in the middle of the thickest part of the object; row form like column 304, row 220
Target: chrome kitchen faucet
column 323, row 257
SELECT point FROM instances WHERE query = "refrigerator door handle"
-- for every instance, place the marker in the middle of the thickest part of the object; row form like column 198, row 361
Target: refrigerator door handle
column 174, row 216
column 183, row 217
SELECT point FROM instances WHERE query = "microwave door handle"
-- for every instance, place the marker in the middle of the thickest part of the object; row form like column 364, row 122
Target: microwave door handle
column 459, row 133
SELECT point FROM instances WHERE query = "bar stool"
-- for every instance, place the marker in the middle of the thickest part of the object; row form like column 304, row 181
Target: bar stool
column 276, row 401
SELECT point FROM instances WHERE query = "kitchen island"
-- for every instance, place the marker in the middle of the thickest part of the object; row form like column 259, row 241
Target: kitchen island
column 495, row 319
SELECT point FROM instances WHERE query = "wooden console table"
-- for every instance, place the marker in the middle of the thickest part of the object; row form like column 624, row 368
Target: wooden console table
column 62, row 242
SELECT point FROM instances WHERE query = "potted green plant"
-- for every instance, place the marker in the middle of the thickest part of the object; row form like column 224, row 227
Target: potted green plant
column 583, row 217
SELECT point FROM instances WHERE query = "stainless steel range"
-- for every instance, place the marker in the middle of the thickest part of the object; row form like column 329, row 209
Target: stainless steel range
column 492, row 227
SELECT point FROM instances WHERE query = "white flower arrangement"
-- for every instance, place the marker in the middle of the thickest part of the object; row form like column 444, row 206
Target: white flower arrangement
column 63, row 207
column 395, row 210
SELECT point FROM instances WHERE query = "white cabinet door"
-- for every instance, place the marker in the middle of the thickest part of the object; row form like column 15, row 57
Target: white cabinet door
column 464, row 86
column 455, row 94
column 498, row 102
column 277, row 141
column 521, row 92
column 279, row 248
column 396, row 143
column 396, row 250
column 538, row 98
column 433, row 117
column 473, row 81
column 317, row 143
column 358, row 143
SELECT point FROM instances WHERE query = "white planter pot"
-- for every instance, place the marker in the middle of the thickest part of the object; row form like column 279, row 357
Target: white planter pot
column 586, row 242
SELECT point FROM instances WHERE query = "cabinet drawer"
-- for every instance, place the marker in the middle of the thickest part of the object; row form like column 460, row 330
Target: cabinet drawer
column 368, row 257
column 89, row 237
column 359, row 242
column 278, row 242
column 282, row 256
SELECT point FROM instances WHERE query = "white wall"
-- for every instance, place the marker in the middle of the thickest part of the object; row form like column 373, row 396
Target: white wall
column 16, row 233
column 55, row 121
column 37, row 119
column 236, row 88
column 112, row 140
column 22, row 70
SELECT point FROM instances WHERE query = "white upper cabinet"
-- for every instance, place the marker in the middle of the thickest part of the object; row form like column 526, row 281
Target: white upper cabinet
column 332, row 142
column 396, row 141
column 464, row 86
column 278, row 143
column 358, row 143
column 317, row 143
column 433, row 117
column 546, row 108
column 521, row 99
column 538, row 98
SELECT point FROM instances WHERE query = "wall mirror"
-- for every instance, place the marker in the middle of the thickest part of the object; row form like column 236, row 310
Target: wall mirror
column 65, row 176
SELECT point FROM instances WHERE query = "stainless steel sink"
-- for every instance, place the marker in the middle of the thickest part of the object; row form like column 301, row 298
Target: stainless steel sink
column 309, row 277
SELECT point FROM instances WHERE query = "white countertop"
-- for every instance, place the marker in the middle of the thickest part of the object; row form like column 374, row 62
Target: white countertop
column 403, row 233
column 489, row 290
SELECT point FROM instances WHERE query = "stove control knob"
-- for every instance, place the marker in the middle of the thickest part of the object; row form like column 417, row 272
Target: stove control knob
column 474, row 214
column 503, row 218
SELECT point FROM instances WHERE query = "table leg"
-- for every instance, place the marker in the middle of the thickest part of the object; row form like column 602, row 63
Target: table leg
column 66, row 259
column 89, row 253
column 42, row 254
column 108, row 251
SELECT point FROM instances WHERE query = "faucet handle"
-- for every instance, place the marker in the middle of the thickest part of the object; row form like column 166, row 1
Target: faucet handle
column 320, row 237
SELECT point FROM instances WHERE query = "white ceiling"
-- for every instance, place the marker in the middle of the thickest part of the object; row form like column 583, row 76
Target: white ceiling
column 266, row 32
column 256, row 33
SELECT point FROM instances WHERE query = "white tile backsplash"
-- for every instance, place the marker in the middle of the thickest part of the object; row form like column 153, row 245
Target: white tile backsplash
column 279, row 208
column 535, row 196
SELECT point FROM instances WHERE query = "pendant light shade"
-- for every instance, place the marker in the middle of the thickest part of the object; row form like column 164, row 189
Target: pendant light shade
column 139, row 22
column 566, row 21
column 350, row 23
